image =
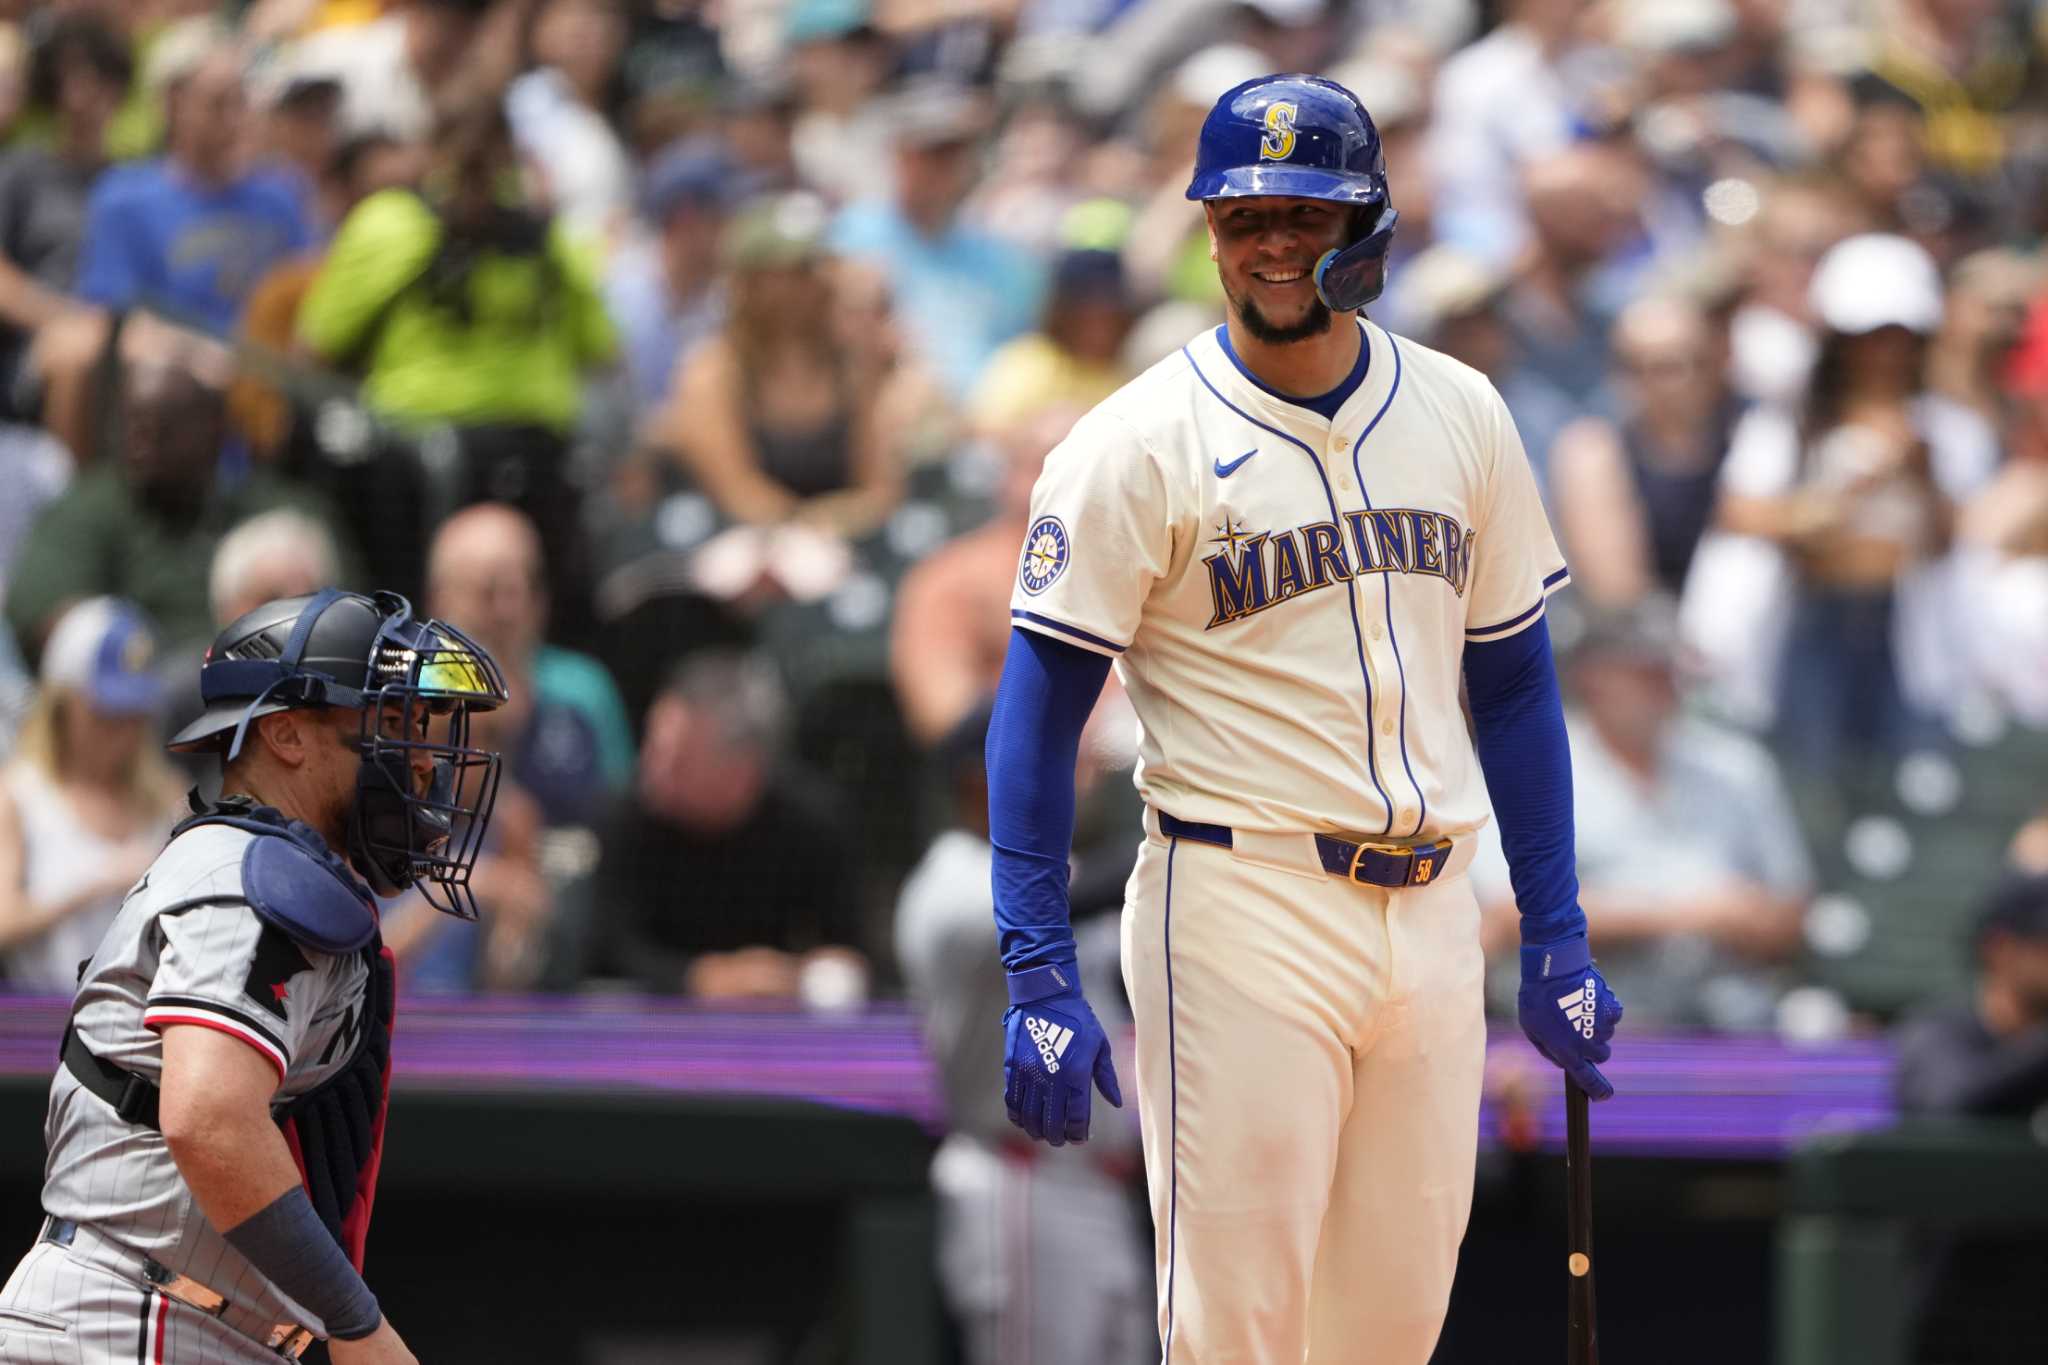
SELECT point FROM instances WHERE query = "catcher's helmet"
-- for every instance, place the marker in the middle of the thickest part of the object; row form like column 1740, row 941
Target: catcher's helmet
column 369, row 654
column 1304, row 137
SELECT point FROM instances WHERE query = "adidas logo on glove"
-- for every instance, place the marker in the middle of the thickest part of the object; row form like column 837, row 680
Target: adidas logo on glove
column 1052, row 1041
column 1580, row 1006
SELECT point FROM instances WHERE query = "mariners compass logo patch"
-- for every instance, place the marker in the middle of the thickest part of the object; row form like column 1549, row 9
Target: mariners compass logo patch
column 1046, row 550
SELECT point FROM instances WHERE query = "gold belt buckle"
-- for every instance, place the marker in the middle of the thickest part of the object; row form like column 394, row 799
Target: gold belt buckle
column 1424, row 860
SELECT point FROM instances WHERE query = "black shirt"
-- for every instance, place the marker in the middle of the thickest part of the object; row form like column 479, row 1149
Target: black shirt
column 782, row 879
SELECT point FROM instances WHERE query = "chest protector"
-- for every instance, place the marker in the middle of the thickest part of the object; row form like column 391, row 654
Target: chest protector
column 335, row 1131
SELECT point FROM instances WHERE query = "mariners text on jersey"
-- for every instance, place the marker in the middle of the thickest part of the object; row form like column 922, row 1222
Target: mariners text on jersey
column 1253, row 572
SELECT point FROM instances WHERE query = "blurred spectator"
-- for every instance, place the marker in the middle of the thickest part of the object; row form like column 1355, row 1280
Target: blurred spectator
column 1770, row 338
column 191, row 232
column 559, row 115
column 87, row 799
column 1069, row 1271
column 1962, row 67
column 1985, row 1057
column 1692, row 870
column 144, row 527
column 1075, row 358
column 79, row 70
column 298, row 126
column 960, row 293
column 563, row 733
column 1501, row 104
column 952, row 623
column 1988, row 293
column 464, row 307
column 394, row 70
column 280, row 553
column 2003, row 545
column 1988, row 1056
column 1633, row 496
column 775, row 417
column 1562, row 298
column 663, row 291
column 724, row 877
column 566, row 752
column 1858, row 489
column 838, row 63
column 268, row 417
column 1883, row 161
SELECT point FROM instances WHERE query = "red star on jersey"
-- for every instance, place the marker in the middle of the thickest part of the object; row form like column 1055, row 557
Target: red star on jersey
column 282, row 991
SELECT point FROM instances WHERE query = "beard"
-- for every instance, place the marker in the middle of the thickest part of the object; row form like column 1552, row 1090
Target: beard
column 1314, row 322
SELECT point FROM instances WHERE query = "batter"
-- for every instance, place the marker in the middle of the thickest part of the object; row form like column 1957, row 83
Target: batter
column 1293, row 537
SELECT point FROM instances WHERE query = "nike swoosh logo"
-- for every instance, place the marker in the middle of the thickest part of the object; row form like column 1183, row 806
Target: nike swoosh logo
column 1224, row 471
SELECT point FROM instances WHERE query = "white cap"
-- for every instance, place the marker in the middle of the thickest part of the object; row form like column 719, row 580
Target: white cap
column 1876, row 280
column 1677, row 25
column 1202, row 78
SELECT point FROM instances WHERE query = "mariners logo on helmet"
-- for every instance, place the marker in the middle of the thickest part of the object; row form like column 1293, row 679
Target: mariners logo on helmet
column 1045, row 555
column 1279, row 138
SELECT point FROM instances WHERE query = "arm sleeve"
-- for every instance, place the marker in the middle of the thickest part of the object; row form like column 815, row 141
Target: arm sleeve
column 1518, row 720
column 1034, row 737
column 1516, row 564
column 223, row 968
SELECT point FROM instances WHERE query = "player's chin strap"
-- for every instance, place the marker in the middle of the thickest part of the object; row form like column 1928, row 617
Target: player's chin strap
column 1348, row 278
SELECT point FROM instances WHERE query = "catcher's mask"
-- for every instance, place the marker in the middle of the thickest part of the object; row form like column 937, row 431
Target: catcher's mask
column 413, row 683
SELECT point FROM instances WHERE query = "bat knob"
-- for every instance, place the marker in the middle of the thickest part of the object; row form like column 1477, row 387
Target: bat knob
column 1580, row 1263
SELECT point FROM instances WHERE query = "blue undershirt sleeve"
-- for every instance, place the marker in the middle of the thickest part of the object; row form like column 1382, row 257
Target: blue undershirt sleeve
column 1034, row 738
column 1518, row 720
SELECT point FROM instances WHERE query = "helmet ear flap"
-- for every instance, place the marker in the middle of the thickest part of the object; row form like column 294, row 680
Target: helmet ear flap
column 1350, row 277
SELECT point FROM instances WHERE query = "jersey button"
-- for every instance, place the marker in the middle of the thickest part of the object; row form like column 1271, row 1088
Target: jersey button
column 1377, row 633
column 1406, row 815
column 1386, row 727
column 1344, row 483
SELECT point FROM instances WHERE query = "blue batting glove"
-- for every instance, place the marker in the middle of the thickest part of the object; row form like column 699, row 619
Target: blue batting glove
column 1568, row 1011
column 1052, row 1048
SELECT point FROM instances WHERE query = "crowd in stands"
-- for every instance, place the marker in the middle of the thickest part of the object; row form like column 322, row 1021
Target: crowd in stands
column 699, row 359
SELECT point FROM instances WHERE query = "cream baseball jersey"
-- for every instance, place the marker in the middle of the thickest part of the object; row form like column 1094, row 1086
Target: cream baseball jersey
column 1288, row 598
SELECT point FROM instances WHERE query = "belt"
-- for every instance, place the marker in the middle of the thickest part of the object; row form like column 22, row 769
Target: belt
column 1388, row 865
column 288, row 1339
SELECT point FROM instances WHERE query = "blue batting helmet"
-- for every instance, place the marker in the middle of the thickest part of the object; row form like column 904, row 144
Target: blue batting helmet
column 1307, row 138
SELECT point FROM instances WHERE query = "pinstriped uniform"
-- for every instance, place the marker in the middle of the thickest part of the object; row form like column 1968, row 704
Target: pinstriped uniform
column 186, row 949
column 1288, row 599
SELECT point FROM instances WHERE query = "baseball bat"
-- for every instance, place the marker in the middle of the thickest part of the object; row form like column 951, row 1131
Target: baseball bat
column 1583, row 1337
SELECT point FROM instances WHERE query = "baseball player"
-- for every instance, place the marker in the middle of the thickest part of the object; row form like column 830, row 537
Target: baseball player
column 1292, row 536
column 216, row 1125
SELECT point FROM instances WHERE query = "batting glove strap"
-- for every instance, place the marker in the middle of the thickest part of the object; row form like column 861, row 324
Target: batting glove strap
column 1544, row 960
column 1043, row 983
